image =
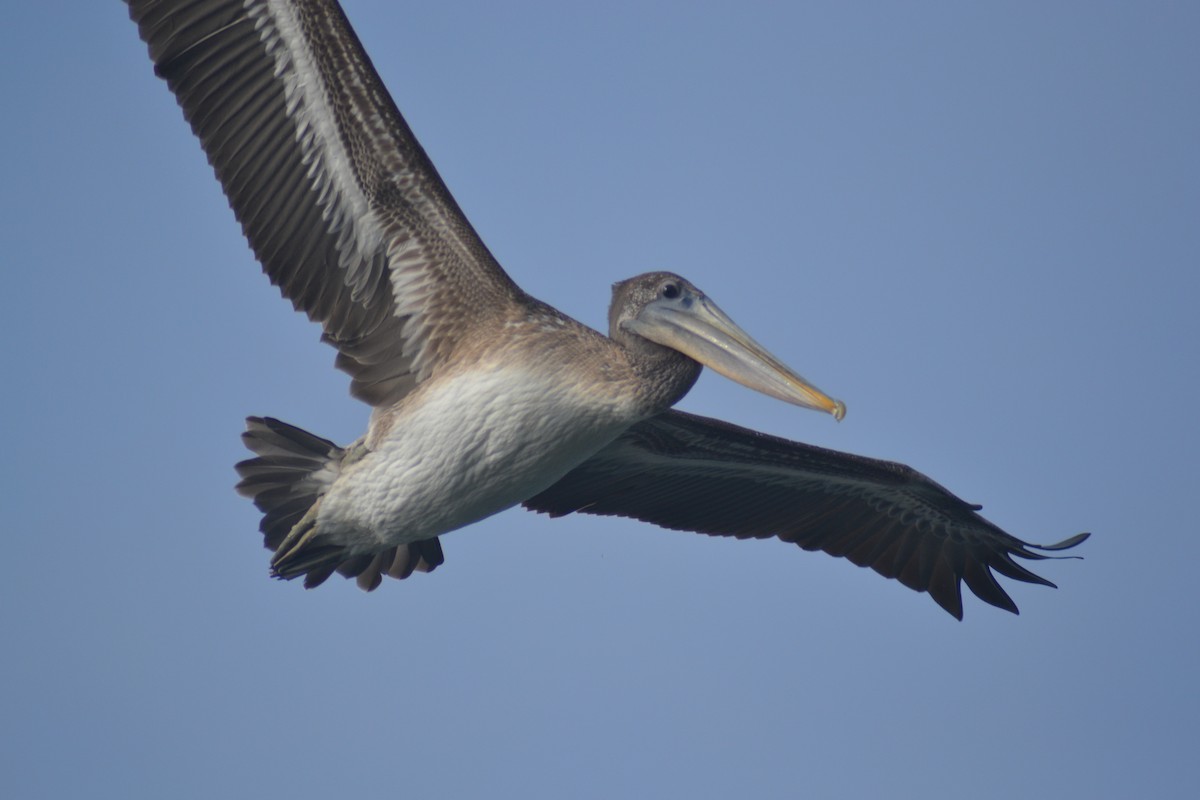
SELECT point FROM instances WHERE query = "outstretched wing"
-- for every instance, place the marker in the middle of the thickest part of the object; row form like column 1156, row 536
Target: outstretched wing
column 338, row 201
column 692, row 473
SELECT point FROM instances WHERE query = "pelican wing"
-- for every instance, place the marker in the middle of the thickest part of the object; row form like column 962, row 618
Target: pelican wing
column 692, row 473
column 337, row 198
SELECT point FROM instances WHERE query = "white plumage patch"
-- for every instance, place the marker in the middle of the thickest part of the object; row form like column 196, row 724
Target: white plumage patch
column 463, row 448
column 344, row 208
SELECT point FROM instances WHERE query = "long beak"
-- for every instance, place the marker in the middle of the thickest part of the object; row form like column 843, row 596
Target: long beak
column 699, row 329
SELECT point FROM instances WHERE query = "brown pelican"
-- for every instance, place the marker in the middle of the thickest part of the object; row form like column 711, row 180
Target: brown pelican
column 484, row 397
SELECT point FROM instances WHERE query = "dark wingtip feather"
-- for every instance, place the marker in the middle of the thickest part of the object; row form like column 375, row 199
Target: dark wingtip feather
column 947, row 602
column 945, row 587
column 1065, row 544
column 981, row 581
column 1004, row 564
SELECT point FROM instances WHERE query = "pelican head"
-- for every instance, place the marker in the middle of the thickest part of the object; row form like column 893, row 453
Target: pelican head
column 665, row 309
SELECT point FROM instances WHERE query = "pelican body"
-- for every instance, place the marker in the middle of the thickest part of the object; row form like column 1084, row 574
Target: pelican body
column 483, row 397
column 475, row 441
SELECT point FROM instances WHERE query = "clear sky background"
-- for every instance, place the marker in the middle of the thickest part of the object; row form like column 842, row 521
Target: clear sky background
column 978, row 225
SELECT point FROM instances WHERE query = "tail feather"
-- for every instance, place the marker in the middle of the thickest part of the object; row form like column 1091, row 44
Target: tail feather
column 292, row 470
column 398, row 562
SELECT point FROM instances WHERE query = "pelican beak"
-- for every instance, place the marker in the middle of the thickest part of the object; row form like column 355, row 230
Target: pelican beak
column 695, row 326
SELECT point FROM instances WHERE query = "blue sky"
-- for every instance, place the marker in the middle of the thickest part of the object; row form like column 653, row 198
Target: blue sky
column 977, row 225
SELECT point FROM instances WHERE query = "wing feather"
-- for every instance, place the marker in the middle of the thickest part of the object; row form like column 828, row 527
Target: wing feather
column 336, row 197
column 691, row 473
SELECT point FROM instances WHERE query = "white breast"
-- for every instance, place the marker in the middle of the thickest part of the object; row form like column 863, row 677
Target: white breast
column 464, row 448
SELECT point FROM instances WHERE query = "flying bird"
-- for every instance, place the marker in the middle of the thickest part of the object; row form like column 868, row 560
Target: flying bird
column 482, row 396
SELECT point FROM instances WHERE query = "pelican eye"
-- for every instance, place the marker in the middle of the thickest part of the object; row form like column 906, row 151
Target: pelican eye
column 670, row 291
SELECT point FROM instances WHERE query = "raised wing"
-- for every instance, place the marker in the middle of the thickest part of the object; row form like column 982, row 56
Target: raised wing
column 338, row 201
column 692, row 473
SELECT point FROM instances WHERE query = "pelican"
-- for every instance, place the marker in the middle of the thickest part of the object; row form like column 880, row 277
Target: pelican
column 482, row 396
